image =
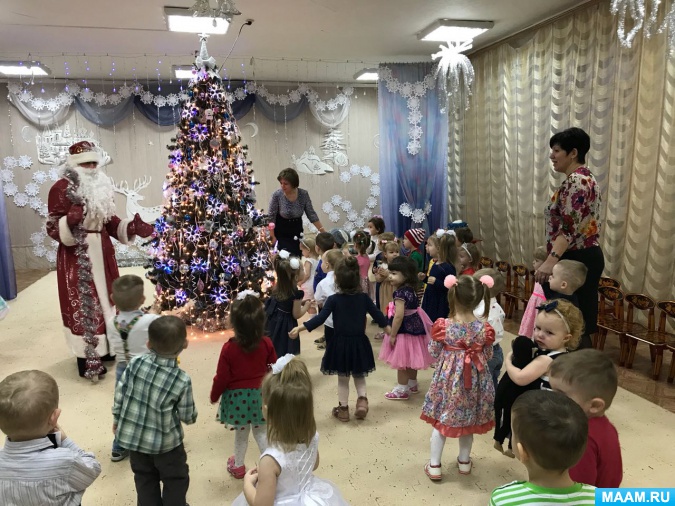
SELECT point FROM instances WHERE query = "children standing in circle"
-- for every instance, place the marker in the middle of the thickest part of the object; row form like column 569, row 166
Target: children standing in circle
column 285, row 472
column 361, row 244
column 285, row 305
column 244, row 361
column 350, row 353
column 308, row 269
column 406, row 347
column 557, row 330
column 460, row 400
column 443, row 250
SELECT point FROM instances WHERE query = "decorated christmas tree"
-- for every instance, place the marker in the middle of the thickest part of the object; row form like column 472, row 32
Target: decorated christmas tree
column 211, row 242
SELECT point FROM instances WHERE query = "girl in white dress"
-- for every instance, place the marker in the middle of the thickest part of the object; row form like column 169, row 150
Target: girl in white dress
column 284, row 475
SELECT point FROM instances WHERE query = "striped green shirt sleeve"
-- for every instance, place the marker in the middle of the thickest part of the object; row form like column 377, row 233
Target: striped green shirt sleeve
column 520, row 493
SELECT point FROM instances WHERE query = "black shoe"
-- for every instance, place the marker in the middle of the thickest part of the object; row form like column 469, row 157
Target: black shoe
column 320, row 340
column 108, row 358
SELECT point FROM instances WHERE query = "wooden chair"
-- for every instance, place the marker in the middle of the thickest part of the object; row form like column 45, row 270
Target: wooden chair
column 605, row 281
column 613, row 322
column 520, row 291
column 667, row 308
column 505, row 269
column 486, row 263
column 636, row 334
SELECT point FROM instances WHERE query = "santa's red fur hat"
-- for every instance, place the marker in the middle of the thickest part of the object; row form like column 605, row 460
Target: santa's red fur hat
column 82, row 152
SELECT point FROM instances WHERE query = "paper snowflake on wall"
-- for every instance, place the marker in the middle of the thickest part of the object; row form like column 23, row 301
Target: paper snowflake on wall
column 10, row 162
column 345, row 177
column 10, row 189
column 6, row 175
column 20, row 199
column 40, row 176
column 327, row 207
column 336, row 200
column 334, row 216
column 25, row 161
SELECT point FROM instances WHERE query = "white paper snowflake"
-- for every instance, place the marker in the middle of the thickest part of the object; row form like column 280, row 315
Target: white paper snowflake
column 334, row 216
column 418, row 216
column 73, row 88
column 65, row 99
column 39, row 251
column 336, row 200
column 413, row 103
column 125, row 91
column 414, row 147
column 38, row 103
column 87, row 95
column 366, row 213
column 147, row 97
column 327, row 207
column 25, row 161
column 366, row 171
column 352, row 215
column 10, row 189
column 406, row 90
column 53, row 104
column 414, row 117
column 44, row 211
column 303, row 88
column 360, row 222
column 371, row 202
column 259, row 260
column 345, row 177
column 346, row 206
column 32, row 189
column 295, row 96
column 375, row 178
column 25, row 96
column 419, row 89
column 14, row 88
column 40, row 176
column 348, row 226
column 100, row 98
column 10, row 162
column 355, row 169
column 348, row 90
column 20, row 199
column 375, row 191
column 405, row 209
column 184, row 96
column 332, row 105
column 37, row 237
column 415, row 132
column 427, row 208
column 114, row 99
column 6, row 175
column 172, row 99
column 51, row 256
column 54, row 174
column 35, row 203
column 160, row 101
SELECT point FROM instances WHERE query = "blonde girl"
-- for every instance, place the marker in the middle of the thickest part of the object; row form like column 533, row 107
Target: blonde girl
column 460, row 400
column 285, row 305
column 309, row 261
column 285, row 473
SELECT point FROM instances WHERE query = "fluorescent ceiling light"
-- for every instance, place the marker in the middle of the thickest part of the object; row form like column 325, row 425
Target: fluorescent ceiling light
column 182, row 71
column 366, row 75
column 444, row 30
column 20, row 68
column 179, row 19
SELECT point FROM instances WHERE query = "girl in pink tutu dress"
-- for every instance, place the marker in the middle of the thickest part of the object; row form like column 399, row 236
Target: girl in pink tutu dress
column 460, row 401
column 407, row 347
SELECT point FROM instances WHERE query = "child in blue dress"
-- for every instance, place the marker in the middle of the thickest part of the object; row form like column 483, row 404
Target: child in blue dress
column 285, row 305
column 443, row 250
column 350, row 354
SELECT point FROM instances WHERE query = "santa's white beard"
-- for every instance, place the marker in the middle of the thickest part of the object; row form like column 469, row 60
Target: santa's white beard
column 97, row 191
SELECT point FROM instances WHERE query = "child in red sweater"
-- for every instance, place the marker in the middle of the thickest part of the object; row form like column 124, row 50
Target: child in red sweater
column 244, row 361
column 589, row 378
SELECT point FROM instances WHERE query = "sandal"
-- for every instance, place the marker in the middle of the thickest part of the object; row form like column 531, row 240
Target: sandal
column 341, row 413
column 361, row 408
column 433, row 472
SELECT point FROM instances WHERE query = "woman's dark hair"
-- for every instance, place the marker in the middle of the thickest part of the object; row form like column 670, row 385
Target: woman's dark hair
column 347, row 277
column 572, row 138
column 361, row 242
column 378, row 223
column 247, row 317
column 291, row 176
column 407, row 267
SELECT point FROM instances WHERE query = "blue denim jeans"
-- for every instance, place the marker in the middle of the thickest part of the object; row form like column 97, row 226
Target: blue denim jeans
column 121, row 366
column 496, row 362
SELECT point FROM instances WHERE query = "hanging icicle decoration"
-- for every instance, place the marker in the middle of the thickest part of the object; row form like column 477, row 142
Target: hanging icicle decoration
column 454, row 75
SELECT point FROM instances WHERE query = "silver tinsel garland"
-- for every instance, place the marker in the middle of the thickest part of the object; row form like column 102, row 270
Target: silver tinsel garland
column 455, row 75
column 643, row 15
column 89, row 310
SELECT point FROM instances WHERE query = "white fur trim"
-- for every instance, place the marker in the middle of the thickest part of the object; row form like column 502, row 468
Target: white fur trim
column 122, row 235
column 84, row 157
column 65, row 234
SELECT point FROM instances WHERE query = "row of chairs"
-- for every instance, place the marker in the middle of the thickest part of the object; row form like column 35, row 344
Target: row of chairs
column 616, row 315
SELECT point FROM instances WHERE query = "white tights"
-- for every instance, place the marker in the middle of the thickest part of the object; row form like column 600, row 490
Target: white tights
column 343, row 388
column 241, row 442
column 438, row 442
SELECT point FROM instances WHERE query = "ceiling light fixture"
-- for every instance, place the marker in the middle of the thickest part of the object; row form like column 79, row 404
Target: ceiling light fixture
column 444, row 30
column 179, row 19
column 366, row 75
column 21, row 68
column 182, row 71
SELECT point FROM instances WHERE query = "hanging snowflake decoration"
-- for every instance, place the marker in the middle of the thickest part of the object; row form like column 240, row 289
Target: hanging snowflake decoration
column 115, row 99
column 327, row 207
column 37, row 237
column 418, row 216
column 371, row 202
column 39, row 250
column 44, row 211
column 427, row 208
column 346, row 206
column 6, row 175
column 366, row 212
column 172, row 99
column 20, row 199
column 40, row 176
column 25, row 161
column 334, row 216
column 355, row 170
column 100, row 98
column 38, row 104
column 345, row 177
column 348, row 226
column 51, row 256
column 87, row 95
column 147, row 98
column 230, row 263
column 259, row 260
column 199, row 265
column 159, row 101
column 405, row 209
column 35, row 203
column 54, row 174
column 32, row 189
column 10, row 189
column 336, row 200
column 375, row 191
column 454, row 74
column 10, row 162
column 366, row 171
column 352, row 215
column 220, row 295
column 192, row 234
column 360, row 222
column 181, row 296
column 414, row 146
column 375, row 178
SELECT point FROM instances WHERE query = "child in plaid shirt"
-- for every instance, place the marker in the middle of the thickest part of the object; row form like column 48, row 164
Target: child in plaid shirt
column 152, row 398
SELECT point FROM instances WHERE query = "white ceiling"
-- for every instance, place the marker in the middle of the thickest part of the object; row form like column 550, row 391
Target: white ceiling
column 290, row 40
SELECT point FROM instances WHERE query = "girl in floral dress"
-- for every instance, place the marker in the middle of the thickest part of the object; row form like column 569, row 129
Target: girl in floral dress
column 460, row 400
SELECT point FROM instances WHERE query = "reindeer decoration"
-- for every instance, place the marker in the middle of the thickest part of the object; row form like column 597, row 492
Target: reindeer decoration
column 148, row 214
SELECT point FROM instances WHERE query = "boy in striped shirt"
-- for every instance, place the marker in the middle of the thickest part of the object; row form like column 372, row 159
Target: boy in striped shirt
column 549, row 437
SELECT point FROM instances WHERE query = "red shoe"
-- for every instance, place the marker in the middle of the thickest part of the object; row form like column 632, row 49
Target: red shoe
column 236, row 472
column 433, row 472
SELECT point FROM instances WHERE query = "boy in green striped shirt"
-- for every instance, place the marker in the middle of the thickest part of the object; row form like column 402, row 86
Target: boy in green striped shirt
column 549, row 437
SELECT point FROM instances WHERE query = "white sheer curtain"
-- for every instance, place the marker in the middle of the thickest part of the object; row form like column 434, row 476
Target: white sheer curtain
column 572, row 72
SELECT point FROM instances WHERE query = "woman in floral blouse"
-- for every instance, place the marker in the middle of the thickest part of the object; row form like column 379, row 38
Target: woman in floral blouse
column 573, row 222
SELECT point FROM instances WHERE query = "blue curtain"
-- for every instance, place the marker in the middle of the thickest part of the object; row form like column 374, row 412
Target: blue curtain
column 105, row 116
column 7, row 275
column 414, row 179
